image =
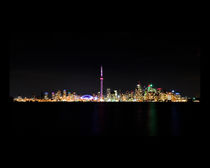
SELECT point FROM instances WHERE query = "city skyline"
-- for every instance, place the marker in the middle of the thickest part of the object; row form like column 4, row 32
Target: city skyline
column 145, row 94
column 60, row 60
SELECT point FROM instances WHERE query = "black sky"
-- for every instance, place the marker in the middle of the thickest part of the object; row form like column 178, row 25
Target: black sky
column 47, row 61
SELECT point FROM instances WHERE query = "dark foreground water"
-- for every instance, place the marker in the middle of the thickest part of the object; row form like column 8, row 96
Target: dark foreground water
column 127, row 119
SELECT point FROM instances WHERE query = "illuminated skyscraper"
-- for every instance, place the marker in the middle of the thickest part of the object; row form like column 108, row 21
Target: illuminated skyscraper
column 101, row 79
column 108, row 94
column 58, row 95
column 69, row 96
column 98, row 96
column 74, row 96
column 53, row 95
column 64, row 94
column 46, row 95
column 138, row 93
column 115, row 95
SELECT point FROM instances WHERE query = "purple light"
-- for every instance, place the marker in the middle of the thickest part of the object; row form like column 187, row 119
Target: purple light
column 87, row 97
column 101, row 93
column 101, row 71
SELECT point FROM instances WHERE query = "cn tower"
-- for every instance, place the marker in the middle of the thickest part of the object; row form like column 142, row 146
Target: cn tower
column 101, row 78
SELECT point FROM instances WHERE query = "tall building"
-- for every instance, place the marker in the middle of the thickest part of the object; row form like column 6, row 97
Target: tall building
column 53, row 95
column 74, row 96
column 69, row 96
column 98, row 95
column 138, row 93
column 115, row 95
column 64, row 94
column 46, row 95
column 58, row 95
column 101, row 79
column 159, row 93
column 108, row 94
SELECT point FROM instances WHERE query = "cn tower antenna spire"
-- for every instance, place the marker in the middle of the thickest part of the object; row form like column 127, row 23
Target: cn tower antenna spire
column 101, row 71
column 101, row 79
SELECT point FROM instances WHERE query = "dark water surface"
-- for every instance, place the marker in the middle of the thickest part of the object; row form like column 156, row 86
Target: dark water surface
column 126, row 119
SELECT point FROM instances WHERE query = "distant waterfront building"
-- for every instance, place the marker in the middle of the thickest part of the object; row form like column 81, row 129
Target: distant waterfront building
column 169, row 96
column 53, row 95
column 69, row 96
column 108, row 94
column 64, row 94
column 46, row 95
column 99, row 95
column 74, row 96
column 115, row 95
column 58, row 95
column 158, row 94
column 138, row 93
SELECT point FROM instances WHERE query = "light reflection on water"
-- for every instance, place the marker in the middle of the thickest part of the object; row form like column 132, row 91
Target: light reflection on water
column 175, row 120
column 152, row 119
column 98, row 119
column 95, row 121
column 141, row 120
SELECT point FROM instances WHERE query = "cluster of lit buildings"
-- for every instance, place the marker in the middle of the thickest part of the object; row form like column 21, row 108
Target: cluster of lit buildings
column 146, row 94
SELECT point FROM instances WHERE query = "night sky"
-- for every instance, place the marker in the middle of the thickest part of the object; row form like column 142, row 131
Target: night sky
column 48, row 61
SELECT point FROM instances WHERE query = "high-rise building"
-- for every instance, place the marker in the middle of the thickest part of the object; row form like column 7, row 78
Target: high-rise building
column 64, row 94
column 58, row 95
column 74, row 96
column 98, row 95
column 123, row 97
column 108, row 94
column 158, row 94
column 46, row 95
column 138, row 93
column 132, row 96
column 69, row 96
column 115, row 95
column 53, row 95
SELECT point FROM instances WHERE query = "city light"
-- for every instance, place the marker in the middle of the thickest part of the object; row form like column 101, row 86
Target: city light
column 145, row 94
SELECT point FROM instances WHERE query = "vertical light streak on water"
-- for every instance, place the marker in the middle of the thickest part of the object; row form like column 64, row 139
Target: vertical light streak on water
column 117, row 119
column 95, row 126
column 175, row 121
column 101, row 118
column 152, row 120
column 139, row 121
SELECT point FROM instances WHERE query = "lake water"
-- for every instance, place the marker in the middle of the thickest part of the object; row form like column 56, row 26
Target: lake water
column 104, row 119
